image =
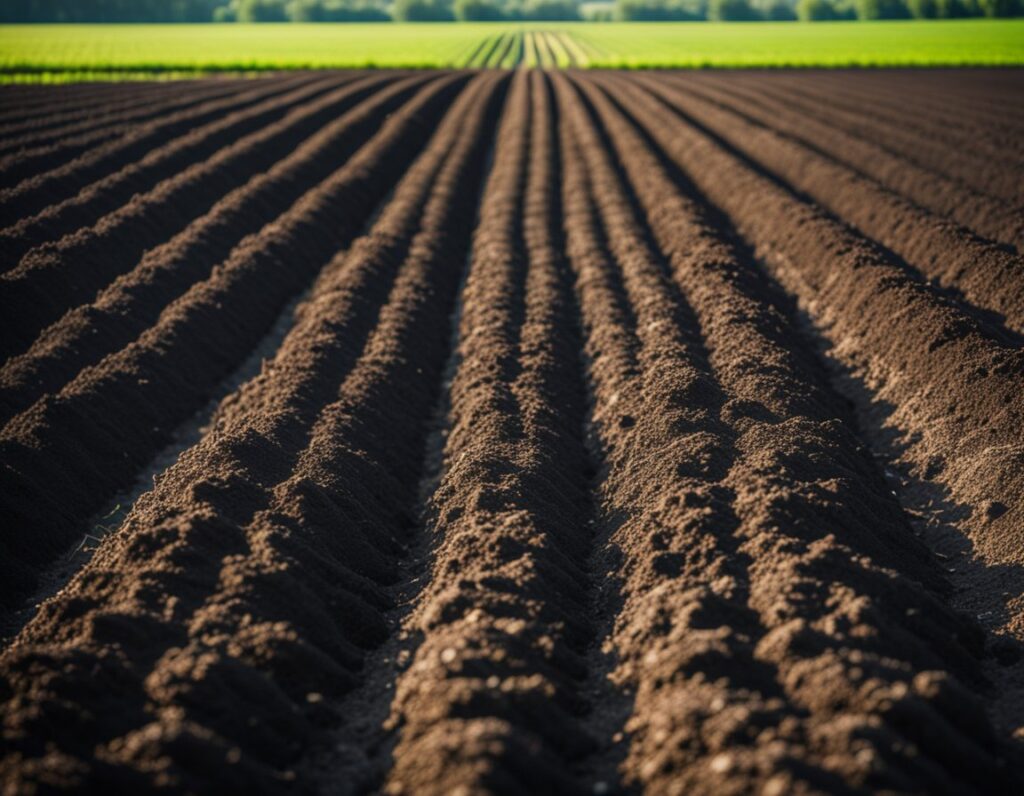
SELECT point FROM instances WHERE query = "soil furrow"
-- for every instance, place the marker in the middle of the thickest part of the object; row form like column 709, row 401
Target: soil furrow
column 108, row 194
column 929, row 141
column 923, row 138
column 490, row 697
column 30, row 153
column 997, row 220
column 358, row 753
column 949, row 396
column 125, row 101
column 922, row 105
column 808, row 536
column 61, row 96
column 55, row 278
column 645, row 370
column 275, row 494
column 964, row 96
column 134, row 301
column 167, row 372
column 53, row 577
column 57, row 101
column 54, row 186
column 514, row 432
column 987, row 276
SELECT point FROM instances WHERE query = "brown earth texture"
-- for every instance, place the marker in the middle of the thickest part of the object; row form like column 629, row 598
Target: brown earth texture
column 513, row 433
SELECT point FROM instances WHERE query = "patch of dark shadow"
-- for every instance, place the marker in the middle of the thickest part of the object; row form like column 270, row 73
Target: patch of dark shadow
column 980, row 590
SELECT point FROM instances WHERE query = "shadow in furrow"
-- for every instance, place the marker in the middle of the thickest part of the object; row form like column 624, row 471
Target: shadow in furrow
column 990, row 322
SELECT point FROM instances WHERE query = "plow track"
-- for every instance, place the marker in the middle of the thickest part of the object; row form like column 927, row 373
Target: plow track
column 513, row 432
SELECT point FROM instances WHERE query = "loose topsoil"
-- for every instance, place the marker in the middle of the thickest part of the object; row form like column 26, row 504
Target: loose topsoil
column 651, row 433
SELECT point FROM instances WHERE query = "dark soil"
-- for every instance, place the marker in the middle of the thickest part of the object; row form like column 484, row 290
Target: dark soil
column 637, row 433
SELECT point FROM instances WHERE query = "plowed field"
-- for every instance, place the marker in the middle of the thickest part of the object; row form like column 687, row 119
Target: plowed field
column 489, row 432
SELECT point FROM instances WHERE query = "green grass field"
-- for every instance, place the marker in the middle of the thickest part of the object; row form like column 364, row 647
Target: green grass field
column 61, row 52
column 779, row 44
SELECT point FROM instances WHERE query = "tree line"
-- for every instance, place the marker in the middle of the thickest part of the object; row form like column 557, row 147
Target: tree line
column 493, row 10
column 811, row 10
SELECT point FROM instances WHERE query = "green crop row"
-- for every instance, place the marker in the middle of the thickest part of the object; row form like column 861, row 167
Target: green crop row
column 62, row 52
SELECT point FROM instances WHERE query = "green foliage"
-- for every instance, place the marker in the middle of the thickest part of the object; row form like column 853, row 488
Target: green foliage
column 336, row 11
column 552, row 10
column 768, row 44
column 661, row 10
column 491, row 10
column 882, row 9
column 108, row 10
column 422, row 11
column 955, row 9
column 597, row 12
column 1001, row 8
column 531, row 10
column 923, row 9
column 477, row 11
column 779, row 11
column 732, row 11
column 811, row 10
column 815, row 10
column 305, row 11
column 261, row 11
column 69, row 52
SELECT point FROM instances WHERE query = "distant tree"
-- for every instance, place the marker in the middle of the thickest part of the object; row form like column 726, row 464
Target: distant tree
column 845, row 9
column 422, row 11
column 261, row 11
column 660, row 10
column 594, row 12
column 305, row 11
column 74, row 11
column 336, row 11
column 815, row 10
column 1000, row 8
column 882, row 9
column 108, row 10
column 552, row 10
column 955, row 9
column 732, row 11
column 477, row 11
column 780, row 11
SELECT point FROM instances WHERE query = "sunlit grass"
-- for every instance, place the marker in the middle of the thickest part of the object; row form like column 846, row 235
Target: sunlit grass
column 56, row 53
